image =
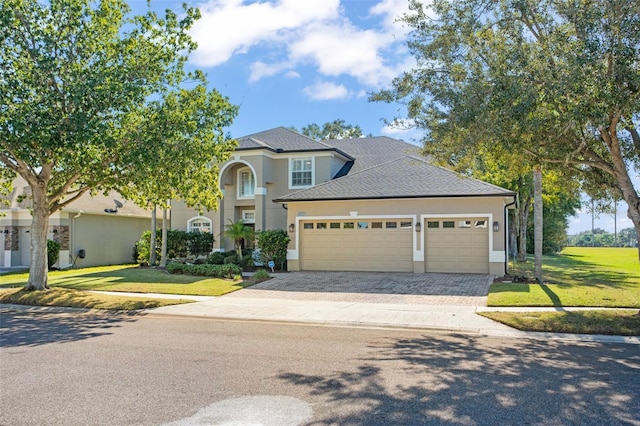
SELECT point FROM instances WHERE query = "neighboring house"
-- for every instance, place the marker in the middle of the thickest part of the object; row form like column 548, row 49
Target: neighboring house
column 91, row 231
column 366, row 204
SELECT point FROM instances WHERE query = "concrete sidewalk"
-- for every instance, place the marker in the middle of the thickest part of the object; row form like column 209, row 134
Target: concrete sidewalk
column 446, row 318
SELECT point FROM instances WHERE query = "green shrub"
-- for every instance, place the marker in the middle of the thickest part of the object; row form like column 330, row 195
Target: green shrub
column 216, row 258
column 144, row 247
column 260, row 275
column 206, row 270
column 180, row 244
column 273, row 246
column 175, row 268
column 53, row 253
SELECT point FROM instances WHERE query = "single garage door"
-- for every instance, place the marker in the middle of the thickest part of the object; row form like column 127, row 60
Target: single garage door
column 460, row 245
column 357, row 245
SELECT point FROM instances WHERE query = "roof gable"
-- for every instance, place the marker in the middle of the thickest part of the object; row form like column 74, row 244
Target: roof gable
column 281, row 139
column 402, row 177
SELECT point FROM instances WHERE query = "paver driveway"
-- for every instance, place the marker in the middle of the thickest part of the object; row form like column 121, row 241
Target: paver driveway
column 374, row 287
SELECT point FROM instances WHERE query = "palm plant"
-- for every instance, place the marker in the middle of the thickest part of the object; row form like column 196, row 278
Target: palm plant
column 238, row 231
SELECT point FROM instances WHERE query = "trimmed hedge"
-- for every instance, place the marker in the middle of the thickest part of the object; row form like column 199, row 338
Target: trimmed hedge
column 180, row 244
column 228, row 270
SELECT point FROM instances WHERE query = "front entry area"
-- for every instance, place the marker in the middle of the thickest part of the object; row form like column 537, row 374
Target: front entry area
column 357, row 245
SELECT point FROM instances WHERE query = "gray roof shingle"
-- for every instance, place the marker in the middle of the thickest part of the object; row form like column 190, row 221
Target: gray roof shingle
column 371, row 151
column 403, row 177
column 283, row 139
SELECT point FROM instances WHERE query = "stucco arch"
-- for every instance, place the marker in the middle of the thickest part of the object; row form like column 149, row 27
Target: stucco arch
column 231, row 164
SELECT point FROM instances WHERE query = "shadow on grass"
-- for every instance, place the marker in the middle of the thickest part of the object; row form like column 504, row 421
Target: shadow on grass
column 552, row 296
column 470, row 380
column 571, row 269
column 34, row 325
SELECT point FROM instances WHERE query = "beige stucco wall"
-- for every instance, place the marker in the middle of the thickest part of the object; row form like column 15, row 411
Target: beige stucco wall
column 107, row 239
column 271, row 172
column 418, row 210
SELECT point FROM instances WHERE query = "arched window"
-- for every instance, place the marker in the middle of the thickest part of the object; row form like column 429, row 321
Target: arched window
column 200, row 224
column 246, row 183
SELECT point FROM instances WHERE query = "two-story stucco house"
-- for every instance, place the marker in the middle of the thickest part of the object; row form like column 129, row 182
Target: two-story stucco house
column 367, row 204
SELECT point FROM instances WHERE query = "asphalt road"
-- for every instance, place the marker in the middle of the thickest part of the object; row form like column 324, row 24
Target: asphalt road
column 61, row 368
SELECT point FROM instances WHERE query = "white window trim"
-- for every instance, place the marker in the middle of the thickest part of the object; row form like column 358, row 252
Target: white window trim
column 238, row 174
column 244, row 216
column 313, row 171
column 199, row 218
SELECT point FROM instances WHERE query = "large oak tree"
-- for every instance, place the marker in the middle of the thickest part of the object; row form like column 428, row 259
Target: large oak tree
column 93, row 99
column 555, row 80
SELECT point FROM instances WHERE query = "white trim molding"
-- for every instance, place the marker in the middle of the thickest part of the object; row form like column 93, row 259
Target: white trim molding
column 290, row 170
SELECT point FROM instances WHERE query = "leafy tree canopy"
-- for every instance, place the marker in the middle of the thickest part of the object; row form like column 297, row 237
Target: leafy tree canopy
column 555, row 80
column 93, row 99
column 336, row 129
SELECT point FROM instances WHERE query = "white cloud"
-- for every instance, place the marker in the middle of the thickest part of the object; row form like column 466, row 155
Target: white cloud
column 342, row 49
column 260, row 70
column 326, row 90
column 293, row 33
column 229, row 27
column 391, row 11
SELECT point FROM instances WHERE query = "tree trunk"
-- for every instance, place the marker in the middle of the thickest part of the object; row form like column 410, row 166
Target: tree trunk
column 38, row 273
column 163, row 250
column 522, row 217
column 621, row 173
column 152, row 242
column 537, row 220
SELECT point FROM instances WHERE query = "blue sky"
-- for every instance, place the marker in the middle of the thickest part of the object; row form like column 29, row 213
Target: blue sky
column 296, row 62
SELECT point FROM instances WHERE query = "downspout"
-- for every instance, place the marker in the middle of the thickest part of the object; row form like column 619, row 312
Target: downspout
column 506, row 234
column 73, row 237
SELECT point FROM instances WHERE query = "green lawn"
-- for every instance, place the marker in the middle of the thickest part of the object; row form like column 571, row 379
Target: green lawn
column 59, row 296
column 611, row 322
column 130, row 278
column 579, row 276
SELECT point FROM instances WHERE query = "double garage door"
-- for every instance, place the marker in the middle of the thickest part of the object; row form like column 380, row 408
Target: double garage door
column 387, row 245
column 357, row 245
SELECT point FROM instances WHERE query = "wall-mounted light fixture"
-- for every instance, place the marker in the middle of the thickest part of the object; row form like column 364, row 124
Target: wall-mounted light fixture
column 496, row 226
column 292, row 228
column 55, row 231
column 418, row 227
column 6, row 231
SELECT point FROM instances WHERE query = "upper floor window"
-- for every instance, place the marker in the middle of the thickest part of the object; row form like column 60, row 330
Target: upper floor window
column 301, row 172
column 246, row 183
column 199, row 224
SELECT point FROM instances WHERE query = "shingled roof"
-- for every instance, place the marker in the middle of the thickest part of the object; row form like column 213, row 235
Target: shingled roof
column 372, row 151
column 403, row 177
column 97, row 203
column 282, row 139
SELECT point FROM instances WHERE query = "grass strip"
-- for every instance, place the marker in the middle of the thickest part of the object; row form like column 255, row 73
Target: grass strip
column 131, row 278
column 607, row 322
column 63, row 297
